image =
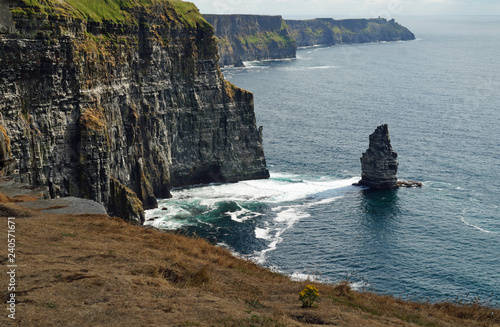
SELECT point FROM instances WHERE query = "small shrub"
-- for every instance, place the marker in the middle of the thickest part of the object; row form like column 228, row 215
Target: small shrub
column 308, row 296
column 343, row 288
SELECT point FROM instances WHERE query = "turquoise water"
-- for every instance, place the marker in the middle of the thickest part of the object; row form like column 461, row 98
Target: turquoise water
column 440, row 96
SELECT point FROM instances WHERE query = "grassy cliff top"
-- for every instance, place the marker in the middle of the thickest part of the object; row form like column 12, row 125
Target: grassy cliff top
column 107, row 10
column 98, row 271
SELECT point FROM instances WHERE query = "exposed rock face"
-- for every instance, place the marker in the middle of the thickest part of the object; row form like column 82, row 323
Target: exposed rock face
column 378, row 164
column 251, row 37
column 121, row 112
column 328, row 31
column 5, row 153
column 239, row 63
column 6, row 21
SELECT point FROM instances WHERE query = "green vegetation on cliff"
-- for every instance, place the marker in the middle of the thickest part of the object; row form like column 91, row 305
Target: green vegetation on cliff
column 327, row 31
column 250, row 37
column 109, row 10
column 257, row 37
column 264, row 39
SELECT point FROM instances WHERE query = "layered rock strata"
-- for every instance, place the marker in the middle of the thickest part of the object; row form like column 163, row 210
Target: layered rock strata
column 379, row 166
column 251, row 37
column 254, row 37
column 121, row 107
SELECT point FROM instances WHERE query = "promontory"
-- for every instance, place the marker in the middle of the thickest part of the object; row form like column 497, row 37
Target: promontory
column 118, row 101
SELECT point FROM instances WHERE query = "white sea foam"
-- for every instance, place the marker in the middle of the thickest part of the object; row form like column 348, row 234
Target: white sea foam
column 300, row 277
column 280, row 188
column 298, row 69
column 297, row 188
column 358, row 286
column 324, row 67
column 477, row 227
column 262, row 233
column 242, row 214
column 288, row 196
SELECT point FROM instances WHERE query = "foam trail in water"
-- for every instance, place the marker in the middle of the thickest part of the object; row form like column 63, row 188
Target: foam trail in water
column 301, row 277
column 288, row 197
column 288, row 215
column 284, row 220
column 242, row 214
column 477, row 227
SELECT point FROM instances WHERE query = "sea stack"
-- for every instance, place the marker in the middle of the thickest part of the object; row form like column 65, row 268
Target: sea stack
column 378, row 164
column 239, row 64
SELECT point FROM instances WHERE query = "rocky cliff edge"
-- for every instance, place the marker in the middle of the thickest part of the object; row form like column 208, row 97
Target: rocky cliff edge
column 328, row 31
column 251, row 37
column 120, row 102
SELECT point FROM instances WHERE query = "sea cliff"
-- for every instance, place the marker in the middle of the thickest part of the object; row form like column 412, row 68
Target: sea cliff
column 120, row 103
column 254, row 37
column 251, row 37
column 328, row 31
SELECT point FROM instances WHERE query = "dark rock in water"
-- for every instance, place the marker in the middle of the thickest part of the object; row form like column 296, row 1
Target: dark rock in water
column 378, row 164
column 239, row 64
column 409, row 184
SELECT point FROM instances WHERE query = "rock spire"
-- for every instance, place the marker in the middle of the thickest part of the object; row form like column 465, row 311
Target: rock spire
column 378, row 164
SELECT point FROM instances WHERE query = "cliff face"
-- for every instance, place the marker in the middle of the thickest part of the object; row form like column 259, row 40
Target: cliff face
column 327, row 31
column 251, row 37
column 120, row 109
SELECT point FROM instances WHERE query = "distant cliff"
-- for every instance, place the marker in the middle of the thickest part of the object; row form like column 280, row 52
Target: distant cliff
column 251, row 37
column 254, row 37
column 327, row 31
column 120, row 102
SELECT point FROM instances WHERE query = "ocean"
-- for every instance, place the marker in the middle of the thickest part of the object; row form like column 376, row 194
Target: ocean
column 440, row 96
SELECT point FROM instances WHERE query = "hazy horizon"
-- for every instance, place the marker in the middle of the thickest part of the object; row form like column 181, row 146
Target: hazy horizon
column 355, row 8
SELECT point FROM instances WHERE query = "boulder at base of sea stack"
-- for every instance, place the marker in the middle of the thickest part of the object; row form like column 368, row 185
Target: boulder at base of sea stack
column 378, row 164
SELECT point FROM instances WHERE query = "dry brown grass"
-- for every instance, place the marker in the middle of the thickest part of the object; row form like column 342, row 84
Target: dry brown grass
column 27, row 198
column 93, row 118
column 19, row 198
column 97, row 271
column 7, row 199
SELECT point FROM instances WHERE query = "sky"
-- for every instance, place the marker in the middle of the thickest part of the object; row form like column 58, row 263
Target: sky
column 349, row 8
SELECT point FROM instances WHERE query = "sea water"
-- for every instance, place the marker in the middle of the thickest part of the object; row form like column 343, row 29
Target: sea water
column 440, row 95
